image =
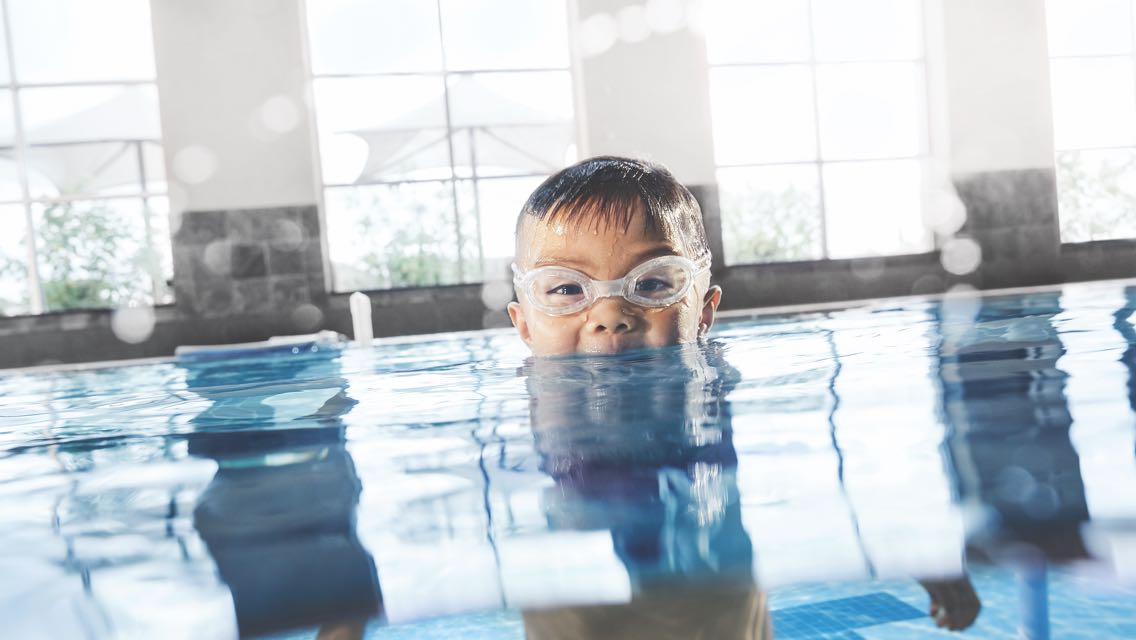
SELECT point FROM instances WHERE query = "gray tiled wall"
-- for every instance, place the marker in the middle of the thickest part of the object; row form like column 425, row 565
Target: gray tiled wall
column 248, row 262
column 1012, row 215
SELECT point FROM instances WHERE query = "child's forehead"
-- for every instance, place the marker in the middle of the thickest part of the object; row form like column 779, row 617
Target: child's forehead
column 559, row 235
column 599, row 212
column 625, row 220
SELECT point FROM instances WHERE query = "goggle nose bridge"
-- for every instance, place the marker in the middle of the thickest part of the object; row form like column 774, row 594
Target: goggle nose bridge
column 608, row 288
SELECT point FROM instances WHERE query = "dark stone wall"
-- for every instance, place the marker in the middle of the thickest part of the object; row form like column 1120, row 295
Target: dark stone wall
column 246, row 275
column 248, row 262
column 1105, row 259
column 1012, row 215
column 786, row 283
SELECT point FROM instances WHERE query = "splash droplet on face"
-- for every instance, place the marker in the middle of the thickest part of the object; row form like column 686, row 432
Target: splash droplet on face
column 559, row 229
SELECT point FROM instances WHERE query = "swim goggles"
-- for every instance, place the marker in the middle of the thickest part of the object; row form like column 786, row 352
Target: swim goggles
column 559, row 291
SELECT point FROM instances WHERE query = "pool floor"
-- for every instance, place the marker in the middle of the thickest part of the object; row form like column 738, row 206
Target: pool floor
column 876, row 610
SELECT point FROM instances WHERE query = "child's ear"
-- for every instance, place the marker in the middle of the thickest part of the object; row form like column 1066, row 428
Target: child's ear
column 517, row 315
column 709, row 306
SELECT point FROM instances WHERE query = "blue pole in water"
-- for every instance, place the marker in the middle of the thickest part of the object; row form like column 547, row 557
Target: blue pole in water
column 1033, row 590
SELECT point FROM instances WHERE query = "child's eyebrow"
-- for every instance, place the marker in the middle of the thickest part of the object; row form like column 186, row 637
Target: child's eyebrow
column 642, row 256
column 661, row 250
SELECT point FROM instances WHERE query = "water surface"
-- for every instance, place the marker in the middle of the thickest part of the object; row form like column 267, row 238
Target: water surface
column 906, row 441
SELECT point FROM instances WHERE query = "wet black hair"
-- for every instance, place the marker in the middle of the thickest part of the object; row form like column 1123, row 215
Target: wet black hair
column 609, row 191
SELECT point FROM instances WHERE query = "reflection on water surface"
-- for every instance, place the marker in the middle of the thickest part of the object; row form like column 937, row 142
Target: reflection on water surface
column 945, row 454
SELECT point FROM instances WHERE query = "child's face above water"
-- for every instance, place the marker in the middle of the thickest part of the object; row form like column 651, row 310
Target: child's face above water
column 610, row 324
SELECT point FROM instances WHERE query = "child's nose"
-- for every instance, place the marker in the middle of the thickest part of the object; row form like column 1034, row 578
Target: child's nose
column 610, row 315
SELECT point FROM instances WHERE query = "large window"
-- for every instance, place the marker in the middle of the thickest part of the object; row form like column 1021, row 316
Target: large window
column 820, row 132
column 436, row 118
column 82, row 183
column 1093, row 79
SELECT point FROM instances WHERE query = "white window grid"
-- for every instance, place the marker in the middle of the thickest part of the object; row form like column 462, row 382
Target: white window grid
column 37, row 303
column 451, row 132
column 1127, row 58
column 813, row 62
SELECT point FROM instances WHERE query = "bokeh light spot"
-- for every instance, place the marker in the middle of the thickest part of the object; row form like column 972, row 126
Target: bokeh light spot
column 307, row 317
column 665, row 16
column 217, row 257
column 279, row 114
column 496, row 294
column 598, row 33
column 194, row 164
column 632, row 21
column 960, row 256
column 133, row 324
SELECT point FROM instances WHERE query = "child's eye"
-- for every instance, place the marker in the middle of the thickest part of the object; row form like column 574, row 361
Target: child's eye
column 652, row 285
column 566, row 290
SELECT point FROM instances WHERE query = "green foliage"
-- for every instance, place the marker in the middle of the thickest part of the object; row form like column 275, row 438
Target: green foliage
column 409, row 238
column 412, row 257
column 90, row 257
column 762, row 225
column 1092, row 195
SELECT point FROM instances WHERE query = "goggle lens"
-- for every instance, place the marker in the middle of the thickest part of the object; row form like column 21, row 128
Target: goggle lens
column 656, row 283
column 558, row 288
column 659, row 286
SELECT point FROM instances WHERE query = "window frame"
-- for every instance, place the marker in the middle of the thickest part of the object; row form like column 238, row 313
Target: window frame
column 1128, row 57
column 455, row 178
column 819, row 162
column 37, row 304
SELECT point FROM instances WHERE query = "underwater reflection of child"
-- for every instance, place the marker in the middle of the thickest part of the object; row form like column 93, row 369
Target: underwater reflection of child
column 278, row 517
column 640, row 445
column 612, row 256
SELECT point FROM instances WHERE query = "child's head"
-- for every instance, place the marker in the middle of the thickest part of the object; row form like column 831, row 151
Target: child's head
column 598, row 221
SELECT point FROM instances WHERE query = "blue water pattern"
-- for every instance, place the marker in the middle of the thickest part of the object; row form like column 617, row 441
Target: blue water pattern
column 836, row 471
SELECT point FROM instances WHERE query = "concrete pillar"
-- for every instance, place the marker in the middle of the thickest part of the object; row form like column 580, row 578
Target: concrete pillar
column 647, row 94
column 240, row 156
column 995, row 81
column 233, row 84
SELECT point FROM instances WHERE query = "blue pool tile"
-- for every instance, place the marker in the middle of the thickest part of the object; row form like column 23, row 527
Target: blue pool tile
column 837, row 618
column 496, row 625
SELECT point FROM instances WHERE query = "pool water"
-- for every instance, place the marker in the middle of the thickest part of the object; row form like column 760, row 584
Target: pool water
column 814, row 468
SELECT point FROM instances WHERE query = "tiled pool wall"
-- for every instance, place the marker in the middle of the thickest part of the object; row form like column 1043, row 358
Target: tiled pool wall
column 247, row 274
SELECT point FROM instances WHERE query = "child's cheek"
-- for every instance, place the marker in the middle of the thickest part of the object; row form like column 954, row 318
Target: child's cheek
column 686, row 318
column 667, row 327
column 555, row 335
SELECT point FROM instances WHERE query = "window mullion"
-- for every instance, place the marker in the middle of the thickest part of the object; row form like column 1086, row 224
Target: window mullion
column 35, row 288
column 450, row 143
column 816, row 128
column 476, row 201
column 157, row 285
